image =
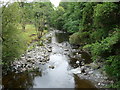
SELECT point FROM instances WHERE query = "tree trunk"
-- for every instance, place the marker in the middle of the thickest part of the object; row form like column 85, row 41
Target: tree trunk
column 23, row 27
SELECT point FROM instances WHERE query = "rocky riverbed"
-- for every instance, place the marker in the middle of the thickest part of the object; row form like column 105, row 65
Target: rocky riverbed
column 80, row 62
column 33, row 58
column 89, row 70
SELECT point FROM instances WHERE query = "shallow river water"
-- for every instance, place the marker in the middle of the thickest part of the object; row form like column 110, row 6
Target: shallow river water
column 56, row 73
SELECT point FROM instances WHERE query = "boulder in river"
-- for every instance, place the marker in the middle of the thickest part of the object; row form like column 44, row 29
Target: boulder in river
column 52, row 67
column 49, row 50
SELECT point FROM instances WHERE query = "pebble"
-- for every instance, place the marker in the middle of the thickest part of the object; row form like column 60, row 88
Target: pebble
column 29, row 56
column 90, row 72
column 66, row 50
column 52, row 67
column 77, row 62
column 99, row 84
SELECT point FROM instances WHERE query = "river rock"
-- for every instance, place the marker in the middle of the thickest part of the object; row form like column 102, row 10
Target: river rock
column 28, row 56
column 52, row 67
column 83, row 70
column 66, row 50
column 65, row 53
column 49, row 46
column 28, row 60
column 94, row 66
column 23, row 57
column 49, row 50
column 90, row 72
column 98, row 83
column 24, row 69
column 43, row 63
column 77, row 62
column 85, row 73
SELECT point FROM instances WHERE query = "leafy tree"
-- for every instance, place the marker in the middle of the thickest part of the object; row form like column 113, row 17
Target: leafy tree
column 41, row 15
column 11, row 41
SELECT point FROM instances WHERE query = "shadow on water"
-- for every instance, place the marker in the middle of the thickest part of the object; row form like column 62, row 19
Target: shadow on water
column 82, row 83
column 20, row 80
column 62, row 37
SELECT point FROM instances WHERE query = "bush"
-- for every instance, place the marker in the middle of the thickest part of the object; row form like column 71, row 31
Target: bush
column 105, row 47
column 71, row 26
column 113, row 66
column 13, row 45
column 105, row 15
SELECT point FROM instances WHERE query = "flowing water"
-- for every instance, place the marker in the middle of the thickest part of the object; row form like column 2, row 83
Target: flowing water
column 57, row 73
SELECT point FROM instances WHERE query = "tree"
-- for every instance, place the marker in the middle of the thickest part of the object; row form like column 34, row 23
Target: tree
column 41, row 16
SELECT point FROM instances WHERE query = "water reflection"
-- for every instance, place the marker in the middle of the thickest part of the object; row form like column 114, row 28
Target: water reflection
column 57, row 77
column 21, row 80
column 81, row 83
column 61, row 37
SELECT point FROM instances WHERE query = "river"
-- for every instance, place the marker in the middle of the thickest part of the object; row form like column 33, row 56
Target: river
column 58, row 72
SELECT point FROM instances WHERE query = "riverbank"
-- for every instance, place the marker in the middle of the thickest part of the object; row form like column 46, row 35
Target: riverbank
column 53, row 58
column 33, row 57
column 90, row 70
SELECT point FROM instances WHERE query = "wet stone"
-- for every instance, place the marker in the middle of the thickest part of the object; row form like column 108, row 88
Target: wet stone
column 29, row 56
column 52, row 67
column 83, row 70
column 66, row 50
column 77, row 62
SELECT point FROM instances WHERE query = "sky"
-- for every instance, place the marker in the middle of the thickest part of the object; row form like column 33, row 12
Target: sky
column 55, row 2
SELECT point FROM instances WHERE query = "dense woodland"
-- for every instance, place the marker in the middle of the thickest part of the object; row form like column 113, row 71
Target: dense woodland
column 94, row 26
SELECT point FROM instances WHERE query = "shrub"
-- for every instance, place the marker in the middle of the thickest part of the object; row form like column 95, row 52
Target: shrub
column 113, row 66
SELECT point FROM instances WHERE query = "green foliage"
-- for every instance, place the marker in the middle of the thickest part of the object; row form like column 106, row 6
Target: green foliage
column 72, row 26
column 114, row 85
column 10, row 32
column 113, row 66
column 105, row 46
column 14, row 45
column 87, row 17
column 98, row 35
column 67, row 16
column 105, row 15
column 57, row 19
column 41, row 15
